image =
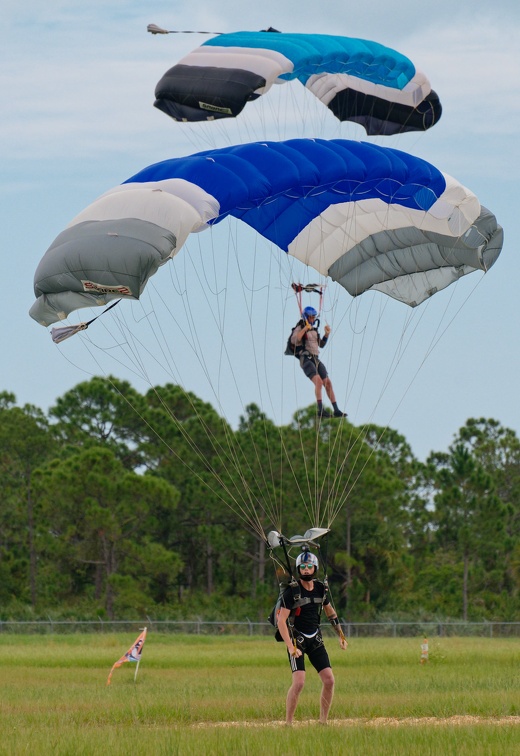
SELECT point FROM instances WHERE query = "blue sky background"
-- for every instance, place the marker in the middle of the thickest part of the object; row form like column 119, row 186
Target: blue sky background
column 77, row 82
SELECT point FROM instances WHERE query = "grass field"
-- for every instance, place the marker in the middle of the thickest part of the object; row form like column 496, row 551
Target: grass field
column 226, row 695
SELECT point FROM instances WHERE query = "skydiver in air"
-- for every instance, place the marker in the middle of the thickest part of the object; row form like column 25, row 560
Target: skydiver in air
column 303, row 637
column 306, row 335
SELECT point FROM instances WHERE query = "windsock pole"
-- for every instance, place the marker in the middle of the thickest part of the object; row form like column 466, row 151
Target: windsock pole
column 424, row 651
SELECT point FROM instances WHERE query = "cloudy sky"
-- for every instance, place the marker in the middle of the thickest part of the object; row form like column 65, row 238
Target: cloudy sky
column 77, row 82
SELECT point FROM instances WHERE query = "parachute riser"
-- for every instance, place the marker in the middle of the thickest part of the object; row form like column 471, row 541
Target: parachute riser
column 287, row 560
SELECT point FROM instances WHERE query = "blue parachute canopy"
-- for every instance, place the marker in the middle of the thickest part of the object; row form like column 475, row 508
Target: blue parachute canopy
column 369, row 217
column 358, row 80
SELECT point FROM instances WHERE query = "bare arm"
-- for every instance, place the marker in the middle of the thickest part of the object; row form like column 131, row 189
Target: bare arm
column 325, row 338
column 283, row 616
column 301, row 333
column 336, row 626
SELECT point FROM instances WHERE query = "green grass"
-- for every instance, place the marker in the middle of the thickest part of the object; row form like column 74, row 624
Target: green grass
column 226, row 695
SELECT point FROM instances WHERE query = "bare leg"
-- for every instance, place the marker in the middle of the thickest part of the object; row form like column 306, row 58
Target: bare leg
column 330, row 391
column 318, row 385
column 327, row 692
column 293, row 694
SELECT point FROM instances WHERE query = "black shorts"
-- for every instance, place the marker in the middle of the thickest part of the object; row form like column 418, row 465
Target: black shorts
column 314, row 648
column 312, row 366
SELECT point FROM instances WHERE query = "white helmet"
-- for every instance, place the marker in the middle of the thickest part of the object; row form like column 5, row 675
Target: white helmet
column 308, row 559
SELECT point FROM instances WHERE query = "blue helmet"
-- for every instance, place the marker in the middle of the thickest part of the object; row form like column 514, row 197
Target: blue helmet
column 309, row 312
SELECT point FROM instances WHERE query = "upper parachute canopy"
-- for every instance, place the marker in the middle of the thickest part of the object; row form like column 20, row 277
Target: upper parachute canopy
column 358, row 80
column 369, row 217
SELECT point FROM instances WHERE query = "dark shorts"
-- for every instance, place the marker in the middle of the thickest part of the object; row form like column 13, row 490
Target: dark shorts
column 314, row 649
column 312, row 366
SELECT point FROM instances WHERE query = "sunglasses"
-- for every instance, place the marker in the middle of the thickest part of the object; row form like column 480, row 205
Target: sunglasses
column 306, row 566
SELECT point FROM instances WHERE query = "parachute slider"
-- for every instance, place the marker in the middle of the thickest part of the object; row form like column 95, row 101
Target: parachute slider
column 309, row 536
column 274, row 538
column 311, row 288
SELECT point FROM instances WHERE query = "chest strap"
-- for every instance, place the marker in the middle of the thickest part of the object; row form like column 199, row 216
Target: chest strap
column 302, row 601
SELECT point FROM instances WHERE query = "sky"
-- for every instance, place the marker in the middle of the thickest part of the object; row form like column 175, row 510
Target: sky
column 77, row 83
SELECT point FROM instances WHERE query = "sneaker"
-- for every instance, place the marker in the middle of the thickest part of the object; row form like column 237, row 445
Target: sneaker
column 339, row 413
column 324, row 412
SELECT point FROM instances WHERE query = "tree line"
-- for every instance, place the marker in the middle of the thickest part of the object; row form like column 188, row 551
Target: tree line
column 116, row 504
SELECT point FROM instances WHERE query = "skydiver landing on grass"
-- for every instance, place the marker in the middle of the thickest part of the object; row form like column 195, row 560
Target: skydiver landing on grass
column 303, row 637
column 306, row 335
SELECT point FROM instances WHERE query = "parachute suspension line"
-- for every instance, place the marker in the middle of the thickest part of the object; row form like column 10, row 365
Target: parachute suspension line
column 316, row 497
column 312, row 479
column 435, row 339
column 282, row 106
column 267, row 361
column 336, row 460
column 201, row 137
column 307, row 500
column 284, row 461
column 398, row 351
column 223, row 455
column 255, row 526
column 334, row 495
column 316, row 492
column 223, row 351
column 286, row 455
column 353, row 480
column 250, row 516
column 311, row 501
column 328, row 491
column 313, row 510
column 339, row 488
column 281, row 453
column 332, row 471
column 248, row 294
column 270, row 456
column 368, row 350
column 221, row 132
column 324, row 435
